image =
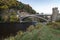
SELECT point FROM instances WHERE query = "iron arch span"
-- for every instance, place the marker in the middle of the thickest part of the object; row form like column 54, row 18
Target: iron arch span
column 35, row 17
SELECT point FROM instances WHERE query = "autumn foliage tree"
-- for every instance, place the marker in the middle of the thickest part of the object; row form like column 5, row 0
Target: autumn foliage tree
column 5, row 6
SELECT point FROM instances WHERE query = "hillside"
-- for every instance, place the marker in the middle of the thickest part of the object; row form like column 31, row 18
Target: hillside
column 26, row 8
column 8, row 10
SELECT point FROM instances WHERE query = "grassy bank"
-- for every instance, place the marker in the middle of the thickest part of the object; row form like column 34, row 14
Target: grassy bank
column 38, row 32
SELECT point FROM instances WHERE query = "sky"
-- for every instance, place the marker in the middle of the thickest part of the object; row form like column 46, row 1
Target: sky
column 42, row 6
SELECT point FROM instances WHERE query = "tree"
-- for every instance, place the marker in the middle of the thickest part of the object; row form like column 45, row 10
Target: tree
column 26, row 8
column 5, row 6
column 21, row 6
column 14, row 18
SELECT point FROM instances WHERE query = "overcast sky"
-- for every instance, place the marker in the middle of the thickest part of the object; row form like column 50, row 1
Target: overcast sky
column 44, row 6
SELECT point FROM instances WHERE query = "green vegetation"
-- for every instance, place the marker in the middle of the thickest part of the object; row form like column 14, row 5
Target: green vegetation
column 14, row 18
column 55, row 25
column 38, row 32
column 25, row 7
column 5, row 10
column 6, row 6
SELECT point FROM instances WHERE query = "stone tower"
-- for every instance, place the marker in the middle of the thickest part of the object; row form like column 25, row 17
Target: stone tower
column 55, row 13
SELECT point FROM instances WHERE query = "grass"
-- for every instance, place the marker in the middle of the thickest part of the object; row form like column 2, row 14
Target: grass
column 39, row 32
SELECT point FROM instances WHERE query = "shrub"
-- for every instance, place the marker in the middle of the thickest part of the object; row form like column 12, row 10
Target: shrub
column 13, row 18
column 55, row 25
column 30, row 28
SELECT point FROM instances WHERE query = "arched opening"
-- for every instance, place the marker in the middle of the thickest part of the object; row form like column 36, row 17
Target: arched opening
column 27, row 19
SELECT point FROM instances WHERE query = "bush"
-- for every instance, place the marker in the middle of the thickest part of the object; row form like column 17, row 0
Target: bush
column 30, row 28
column 14, row 18
column 55, row 25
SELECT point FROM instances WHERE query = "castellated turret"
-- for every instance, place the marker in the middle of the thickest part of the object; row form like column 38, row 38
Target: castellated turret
column 55, row 13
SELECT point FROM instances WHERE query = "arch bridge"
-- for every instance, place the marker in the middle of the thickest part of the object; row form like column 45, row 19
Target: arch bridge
column 32, row 16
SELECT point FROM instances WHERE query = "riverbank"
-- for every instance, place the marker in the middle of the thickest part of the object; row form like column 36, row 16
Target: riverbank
column 40, row 32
